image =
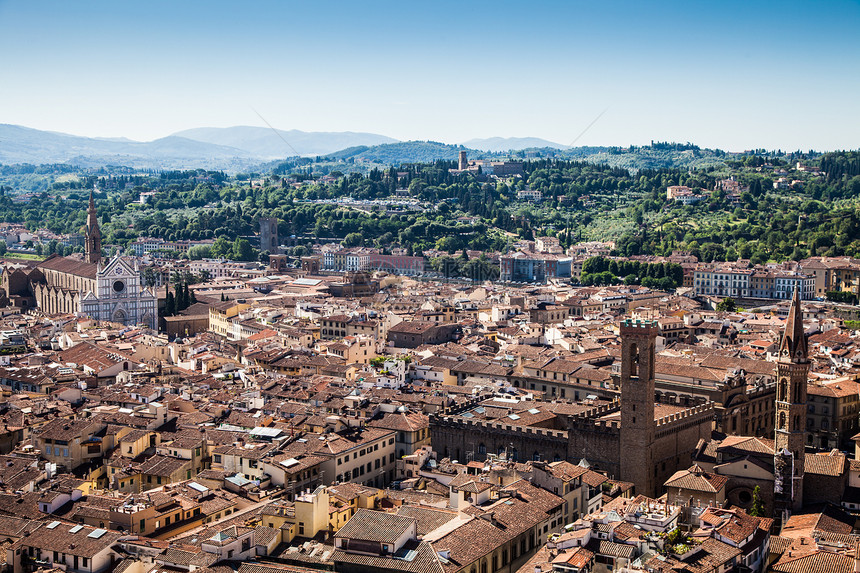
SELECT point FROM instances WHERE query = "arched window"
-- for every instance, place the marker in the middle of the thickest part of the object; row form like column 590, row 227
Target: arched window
column 482, row 449
column 536, row 457
column 634, row 360
column 797, row 392
column 782, row 421
column 783, row 390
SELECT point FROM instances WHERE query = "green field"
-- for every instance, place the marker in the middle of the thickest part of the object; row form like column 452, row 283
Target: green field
column 27, row 256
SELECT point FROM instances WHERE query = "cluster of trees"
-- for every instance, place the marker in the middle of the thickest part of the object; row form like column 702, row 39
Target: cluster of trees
column 476, row 269
column 761, row 225
column 605, row 271
column 178, row 300
column 238, row 250
column 841, row 296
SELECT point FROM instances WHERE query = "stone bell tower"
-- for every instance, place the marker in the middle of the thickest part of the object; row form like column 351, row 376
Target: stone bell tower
column 792, row 369
column 93, row 248
column 638, row 428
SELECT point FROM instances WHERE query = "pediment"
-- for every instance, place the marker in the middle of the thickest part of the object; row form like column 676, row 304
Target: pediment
column 744, row 468
column 117, row 267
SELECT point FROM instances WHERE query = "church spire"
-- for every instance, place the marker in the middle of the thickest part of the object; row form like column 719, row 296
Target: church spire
column 94, row 236
column 793, row 345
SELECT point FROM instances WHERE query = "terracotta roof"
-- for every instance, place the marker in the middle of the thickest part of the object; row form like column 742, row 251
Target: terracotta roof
column 830, row 518
column 830, row 464
column 697, row 479
column 61, row 540
column 470, row 542
column 735, row 524
column 429, row 518
column 402, row 421
column 370, row 525
column 71, row 266
column 817, row 562
column 414, row 557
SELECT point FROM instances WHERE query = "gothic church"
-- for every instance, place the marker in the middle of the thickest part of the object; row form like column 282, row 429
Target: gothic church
column 108, row 291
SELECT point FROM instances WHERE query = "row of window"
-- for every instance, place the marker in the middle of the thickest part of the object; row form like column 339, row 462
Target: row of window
column 64, row 452
column 364, row 451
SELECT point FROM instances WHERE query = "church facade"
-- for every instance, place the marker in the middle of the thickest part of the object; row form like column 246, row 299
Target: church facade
column 103, row 290
column 119, row 295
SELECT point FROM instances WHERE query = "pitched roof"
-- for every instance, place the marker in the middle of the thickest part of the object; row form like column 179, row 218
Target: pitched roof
column 71, row 266
column 817, row 562
column 60, row 539
column 697, row 479
column 370, row 525
column 829, row 464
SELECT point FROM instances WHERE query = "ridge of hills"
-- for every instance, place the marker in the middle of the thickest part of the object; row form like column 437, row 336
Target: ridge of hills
column 241, row 148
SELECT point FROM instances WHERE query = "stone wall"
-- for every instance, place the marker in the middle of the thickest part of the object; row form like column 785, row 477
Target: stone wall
column 461, row 439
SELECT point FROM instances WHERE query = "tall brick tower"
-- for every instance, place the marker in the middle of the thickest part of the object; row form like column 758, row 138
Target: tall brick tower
column 93, row 247
column 638, row 428
column 792, row 369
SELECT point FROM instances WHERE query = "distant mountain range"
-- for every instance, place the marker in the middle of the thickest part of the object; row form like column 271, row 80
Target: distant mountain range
column 267, row 143
column 24, row 145
column 231, row 148
column 502, row 144
column 241, row 148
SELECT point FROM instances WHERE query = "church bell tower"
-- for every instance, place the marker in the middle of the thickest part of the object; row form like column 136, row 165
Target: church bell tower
column 792, row 369
column 93, row 249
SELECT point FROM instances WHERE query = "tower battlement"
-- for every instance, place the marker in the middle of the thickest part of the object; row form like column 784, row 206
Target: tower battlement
column 598, row 411
column 638, row 327
column 696, row 411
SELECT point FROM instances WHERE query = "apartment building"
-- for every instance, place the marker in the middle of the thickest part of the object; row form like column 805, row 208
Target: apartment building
column 833, row 274
column 362, row 456
column 524, row 266
column 341, row 325
column 759, row 282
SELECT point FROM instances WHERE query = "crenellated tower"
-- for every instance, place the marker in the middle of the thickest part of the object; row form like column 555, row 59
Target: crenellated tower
column 638, row 428
column 790, row 413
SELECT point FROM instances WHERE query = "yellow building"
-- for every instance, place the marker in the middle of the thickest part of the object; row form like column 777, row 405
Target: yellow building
column 221, row 317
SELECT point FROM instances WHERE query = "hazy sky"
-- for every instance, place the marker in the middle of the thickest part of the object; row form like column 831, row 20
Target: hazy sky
column 733, row 75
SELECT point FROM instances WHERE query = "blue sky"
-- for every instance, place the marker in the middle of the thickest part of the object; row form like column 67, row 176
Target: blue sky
column 734, row 75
